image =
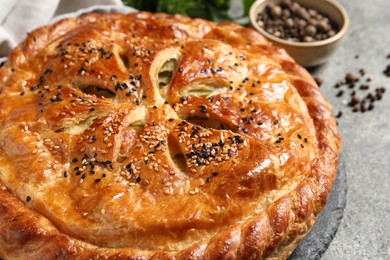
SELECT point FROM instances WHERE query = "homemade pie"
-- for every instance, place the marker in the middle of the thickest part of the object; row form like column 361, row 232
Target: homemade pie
column 154, row 136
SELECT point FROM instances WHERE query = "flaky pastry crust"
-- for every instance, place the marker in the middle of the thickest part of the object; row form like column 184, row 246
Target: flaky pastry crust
column 153, row 136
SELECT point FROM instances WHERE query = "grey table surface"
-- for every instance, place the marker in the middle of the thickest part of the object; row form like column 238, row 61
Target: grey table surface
column 364, row 232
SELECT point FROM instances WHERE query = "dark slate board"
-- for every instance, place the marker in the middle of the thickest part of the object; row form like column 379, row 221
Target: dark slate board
column 327, row 224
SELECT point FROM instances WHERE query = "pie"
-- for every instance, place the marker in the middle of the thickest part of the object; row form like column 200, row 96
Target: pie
column 137, row 136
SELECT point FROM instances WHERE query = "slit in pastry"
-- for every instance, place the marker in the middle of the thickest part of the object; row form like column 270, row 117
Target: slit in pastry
column 177, row 156
column 97, row 91
column 125, row 61
column 207, row 123
column 127, row 138
column 165, row 74
column 163, row 70
column 204, row 90
column 79, row 127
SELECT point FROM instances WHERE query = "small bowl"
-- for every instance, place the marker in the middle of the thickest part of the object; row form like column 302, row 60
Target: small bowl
column 307, row 54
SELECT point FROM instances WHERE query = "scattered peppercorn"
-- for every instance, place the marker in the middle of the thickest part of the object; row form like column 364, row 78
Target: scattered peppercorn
column 387, row 71
column 365, row 103
column 339, row 114
column 340, row 93
column 319, row 80
column 350, row 77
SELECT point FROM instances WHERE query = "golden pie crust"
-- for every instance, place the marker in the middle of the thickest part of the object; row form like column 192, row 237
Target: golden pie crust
column 154, row 136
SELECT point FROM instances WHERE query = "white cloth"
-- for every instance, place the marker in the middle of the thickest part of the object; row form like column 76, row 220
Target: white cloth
column 18, row 17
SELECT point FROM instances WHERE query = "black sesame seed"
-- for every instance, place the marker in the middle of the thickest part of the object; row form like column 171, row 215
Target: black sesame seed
column 138, row 179
column 237, row 139
column 49, row 70
column 83, row 69
column 28, row 198
column 97, row 180
column 203, row 108
column 65, row 174
column 214, row 174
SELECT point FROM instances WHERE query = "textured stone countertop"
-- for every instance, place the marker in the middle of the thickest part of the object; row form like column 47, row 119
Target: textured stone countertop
column 364, row 232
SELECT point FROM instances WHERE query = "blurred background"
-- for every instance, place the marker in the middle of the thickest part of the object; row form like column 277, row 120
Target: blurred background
column 216, row 10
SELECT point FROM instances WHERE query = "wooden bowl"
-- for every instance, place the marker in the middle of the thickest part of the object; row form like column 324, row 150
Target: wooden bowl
column 307, row 54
